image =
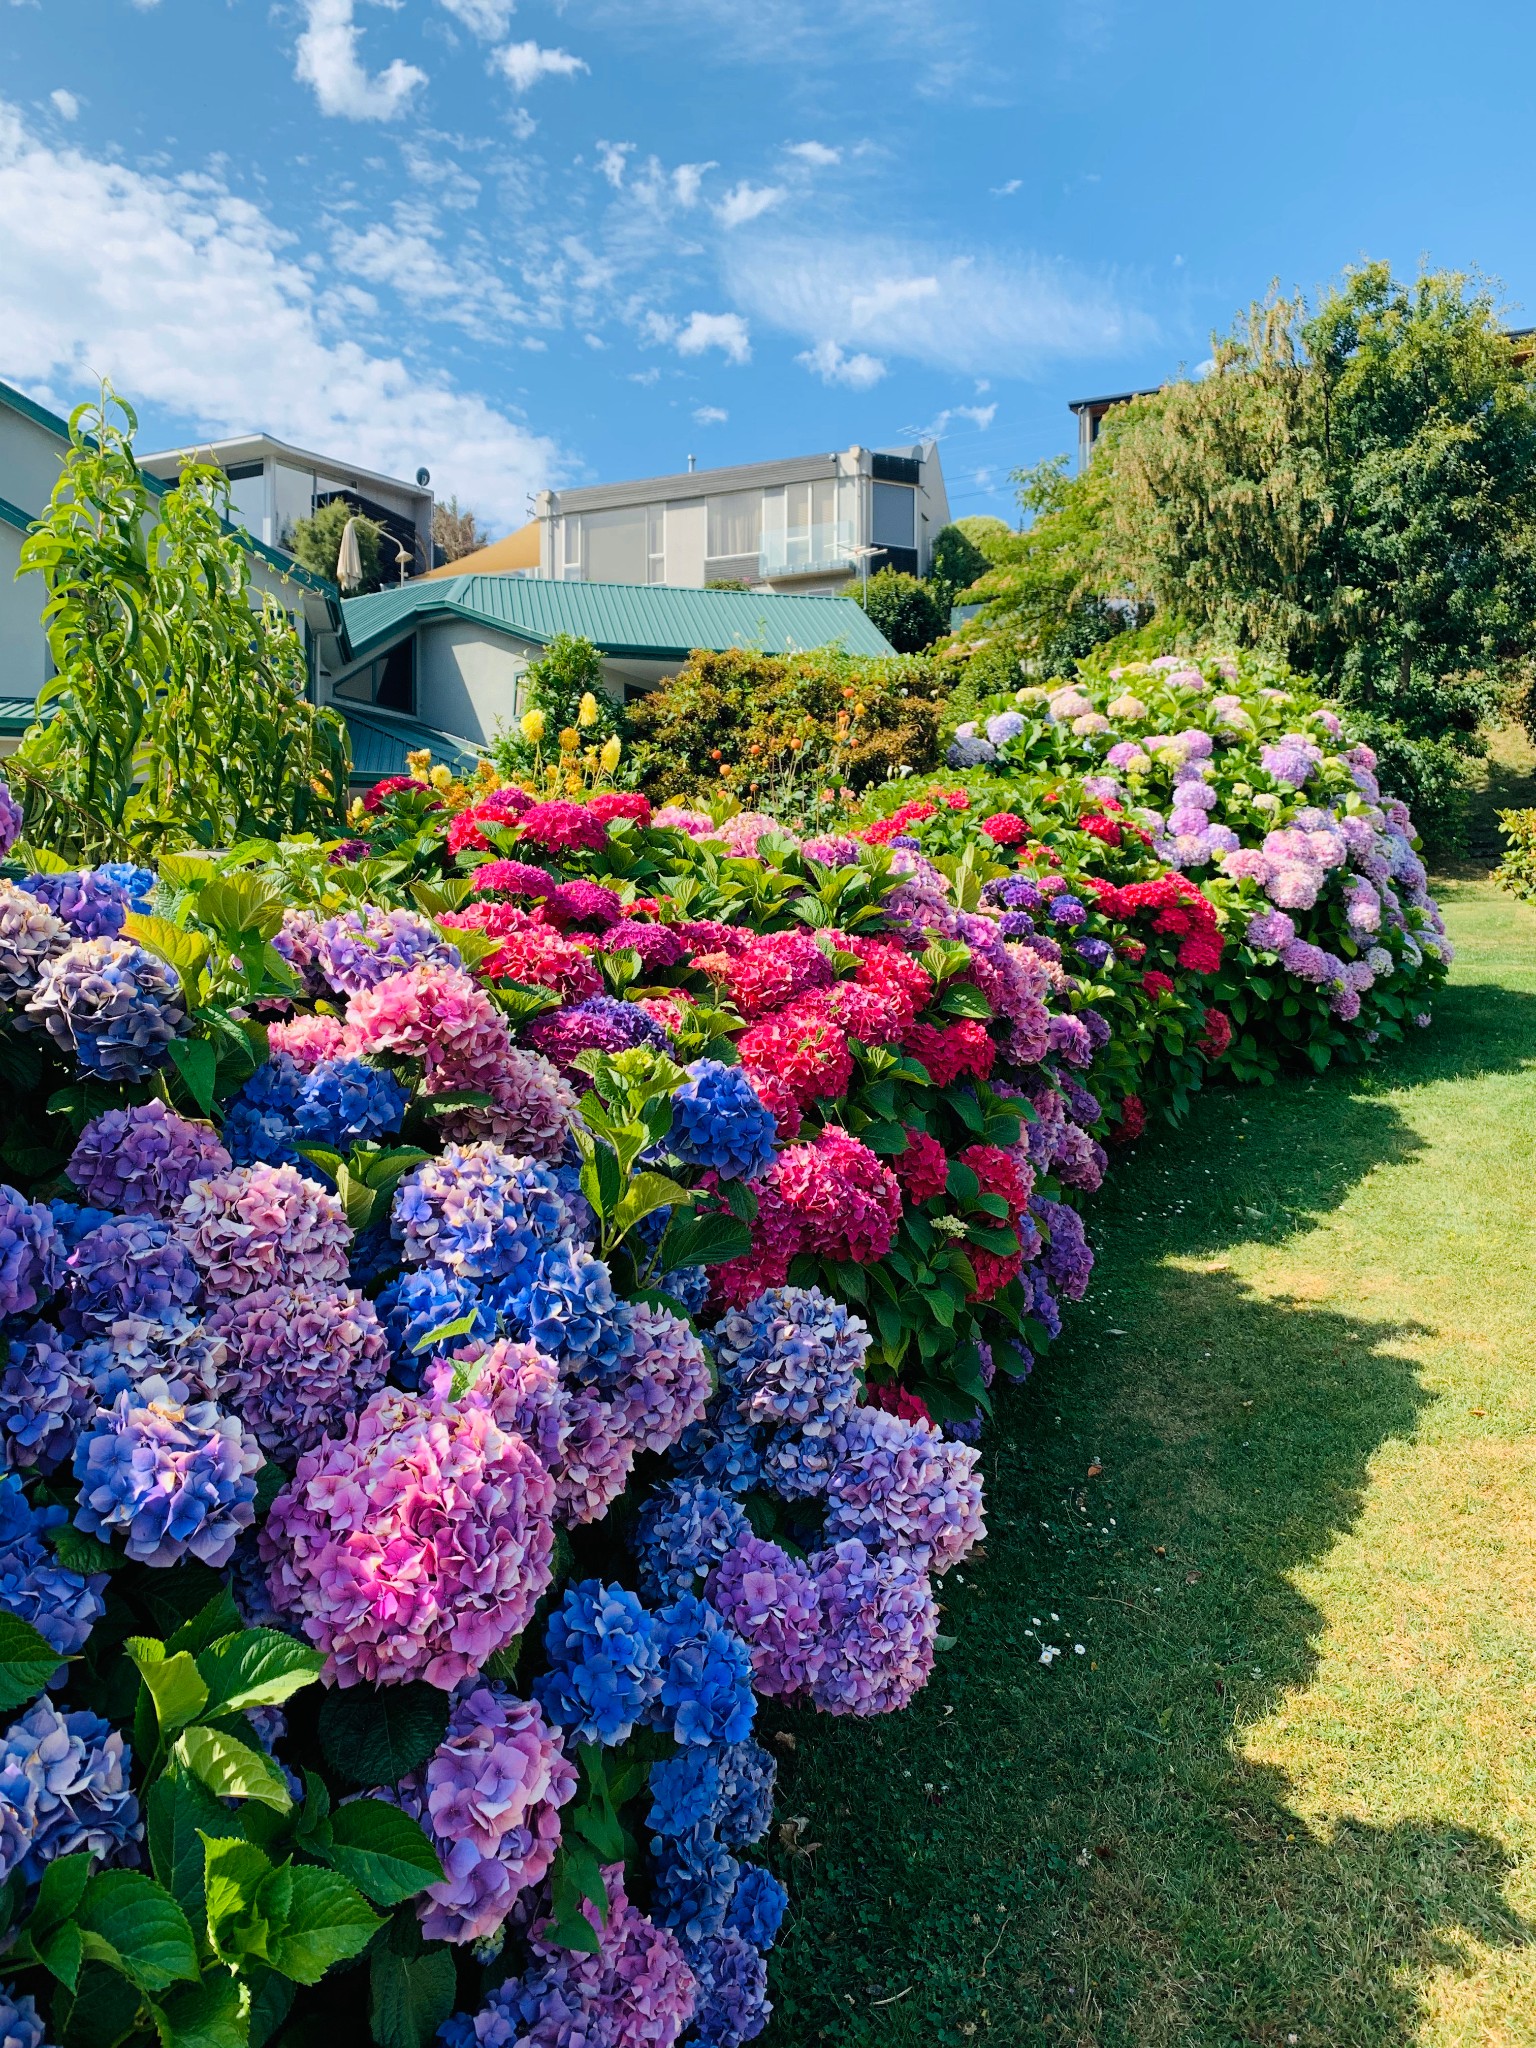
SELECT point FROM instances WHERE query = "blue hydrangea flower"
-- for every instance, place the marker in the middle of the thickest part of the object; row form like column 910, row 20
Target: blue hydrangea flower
column 567, row 1307
column 31, row 1254
column 92, row 902
column 73, row 1220
column 732, row 2006
column 111, row 1006
column 172, row 1480
column 133, row 1266
column 136, row 883
column 480, row 1212
column 747, row 1774
column 706, row 1689
column 757, row 1906
column 604, row 1663
column 692, row 1879
column 63, row 1789
column 20, row 2026
column 683, row 1531
column 63, row 1606
column 44, row 1399
column 970, row 752
column 719, row 1123
column 337, row 1104
column 722, row 1449
column 411, row 1307
column 685, row 1790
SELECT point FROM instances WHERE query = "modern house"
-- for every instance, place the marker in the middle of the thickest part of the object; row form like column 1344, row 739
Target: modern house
column 439, row 664
column 272, row 486
column 809, row 523
column 1090, row 416
column 33, row 444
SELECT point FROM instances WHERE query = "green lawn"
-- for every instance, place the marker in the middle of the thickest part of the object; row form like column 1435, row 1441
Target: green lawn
column 1286, row 1793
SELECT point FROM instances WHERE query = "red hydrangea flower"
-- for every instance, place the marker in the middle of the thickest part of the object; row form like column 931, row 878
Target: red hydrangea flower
column 621, row 803
column 563, row 827
column 1000, row 1173
column 530, row 951
column 1201, row 953
column 993, row 1270
column 1097, row 826
column 958, row 800
column 1156, row 983
column 846, row 1203
column 895, row 1400
column 778, row 1098
column 774, row 969
column 501, row 807
column 885, row 829
column 923, row 1169
column 1133, row 1121
column 373, row 798
column 1006, row 828
column 950, row 1050
column 808, row 1054
column 891, row 972
column 776, row 1237
column 864, row 1013
column 1217, row 1035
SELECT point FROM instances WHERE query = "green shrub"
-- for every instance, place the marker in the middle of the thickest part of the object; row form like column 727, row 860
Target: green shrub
column 1430, row 775
column 1516, row 872
column 316, row 543
column 910, row 614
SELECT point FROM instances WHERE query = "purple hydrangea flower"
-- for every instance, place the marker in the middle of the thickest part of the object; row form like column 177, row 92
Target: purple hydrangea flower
column 63, row 1606
column 1096, row 953
column 605, row 1669
column 64, row 1790
column 359, row 949
column 300, row 1360
column 597, row 1024
column 12, row 824
column 969, row 752
column 879, row 1622
column 773, row 1603
column 660, row 1381
column 44, row 1399
column 91, row 903
column 142, row 1160
column 263, row 1226
column 112, row 1006
column 901, row 1487
column 1068, row 1257
column 1005, row 726
column 171, row 1479
column 1270, row 931
column 171, row 1347
column 31, row 1254
column 733, row 2003
column 1307, row 962
column 136, row 1266
column 719, row 1123
column 74, row 1222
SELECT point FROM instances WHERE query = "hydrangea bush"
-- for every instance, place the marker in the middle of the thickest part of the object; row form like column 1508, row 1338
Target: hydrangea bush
column 490, row 1304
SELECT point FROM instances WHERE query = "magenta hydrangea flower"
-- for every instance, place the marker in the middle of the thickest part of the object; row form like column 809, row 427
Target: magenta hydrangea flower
column 416, row 1545
column 773, row 1602
column 142, row 1160
column 658, row 945
column 902, row 1487
column 172, row 1480
column 490, row 1799
column 845, row 1200
column 511, row 878
column 299, row 1361
column 879, row 1625
column 439, row 1016
column 263, row 1226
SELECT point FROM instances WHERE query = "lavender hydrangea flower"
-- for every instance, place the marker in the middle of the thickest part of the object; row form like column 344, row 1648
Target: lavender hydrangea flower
column 359, row 949
column 659, row 1383
column 31, row 1254
column 773, row 1603
column 880, row 1622
column 1288, row 762
column 44, row 1399
column 1307, row 962
column 142, row 1160
column 299, row 942
column 12, row 824
column 605, row 1667
column 757, row 1907
column 682, row 1532
column 136, row 1266
column 718, row 1122
column 479, row 1213
column 706, row 1688
column 901, row 1487
column 300, row 1361
column 64, row 1790
column 171, row 1347
column 173, row 1480
column 1005, row 726
column 112, row 1006
column 62, row 1605
column 530, row 1113
column 1270, row 931
column 263, row 1226
column 30, row 936
column 93, row 904
column 1068, row 1257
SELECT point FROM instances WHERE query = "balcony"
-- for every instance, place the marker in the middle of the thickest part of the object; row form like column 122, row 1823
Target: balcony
column 806, row 550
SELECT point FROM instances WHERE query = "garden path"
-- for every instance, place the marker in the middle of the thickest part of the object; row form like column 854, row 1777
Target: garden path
column 1278, row 1481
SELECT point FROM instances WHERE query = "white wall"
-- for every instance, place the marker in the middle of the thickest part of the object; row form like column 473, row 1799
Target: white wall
column 467, row 678
column 23, row 650
column 686, row 541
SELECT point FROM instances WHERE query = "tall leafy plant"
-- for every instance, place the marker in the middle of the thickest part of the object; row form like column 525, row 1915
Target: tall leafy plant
column 177, row 715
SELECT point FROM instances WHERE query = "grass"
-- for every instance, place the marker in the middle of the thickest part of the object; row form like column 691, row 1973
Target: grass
column 1279, row 1482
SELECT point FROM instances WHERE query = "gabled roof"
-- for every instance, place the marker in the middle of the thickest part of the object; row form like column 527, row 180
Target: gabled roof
column 644, row 621
column 382, row 739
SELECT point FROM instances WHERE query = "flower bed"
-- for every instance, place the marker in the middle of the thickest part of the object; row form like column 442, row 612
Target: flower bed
column 488, row 1303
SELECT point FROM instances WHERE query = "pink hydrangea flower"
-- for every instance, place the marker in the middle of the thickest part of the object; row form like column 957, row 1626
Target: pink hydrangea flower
column 562, row 827
column 308, row 1040
column 846, row 1203
column 437, row 1015
column 263, row 1226
column 774, row 969
column 415, row 1546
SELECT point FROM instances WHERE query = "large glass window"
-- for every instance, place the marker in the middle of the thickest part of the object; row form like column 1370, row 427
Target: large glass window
column 895, row 516
column 615, row 545
column 295, row 500
column 735, row 524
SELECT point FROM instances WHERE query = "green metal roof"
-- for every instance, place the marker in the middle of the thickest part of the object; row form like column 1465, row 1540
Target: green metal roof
column 12, row 515
column 645, row 621
column 16, row 714
column 382, row 739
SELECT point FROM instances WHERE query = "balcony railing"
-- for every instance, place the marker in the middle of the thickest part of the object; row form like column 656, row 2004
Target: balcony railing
column 794, row 550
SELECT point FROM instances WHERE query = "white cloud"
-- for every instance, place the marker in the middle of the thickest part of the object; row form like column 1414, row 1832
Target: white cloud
column 327, row 59
column 686, row 181
column 725, row 331
column 407, row 257
column 66, row 103
column 524, row 64
column 830, row 364
column 1006, row 191
column 145, row 6
column 650, row 376
column 815, row 154
column 487, row 18
column 611, row 159
column 978, row 314
column 746, row 202
column 710, row 415
column 191, row 301
column 980, row 416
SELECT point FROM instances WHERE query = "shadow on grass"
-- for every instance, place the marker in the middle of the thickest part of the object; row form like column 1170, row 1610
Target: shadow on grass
column 1077, row 1852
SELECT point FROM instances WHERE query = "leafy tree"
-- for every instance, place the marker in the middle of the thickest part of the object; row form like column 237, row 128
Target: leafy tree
column 957, row 562
column 726, row 583
column 908, row 613
column 567, row 677
column 984, row 531
column 316, row 543
column 177, row 715
column 454, row 533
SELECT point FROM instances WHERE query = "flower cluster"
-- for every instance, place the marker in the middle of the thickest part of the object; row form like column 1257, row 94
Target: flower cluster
column 141, row 1161
column 172, row 1479
column 110, row 1006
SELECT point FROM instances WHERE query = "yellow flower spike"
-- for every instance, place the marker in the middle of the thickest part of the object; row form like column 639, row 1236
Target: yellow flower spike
column 570, row 740
column 441, row 776
column 552, row 774
column 586, row 713
column 420, row 762
column 611, row 752
column 573, row 785
column 532, row 725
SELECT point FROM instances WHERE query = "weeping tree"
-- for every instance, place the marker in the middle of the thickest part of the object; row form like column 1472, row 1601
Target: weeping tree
column 177, row 715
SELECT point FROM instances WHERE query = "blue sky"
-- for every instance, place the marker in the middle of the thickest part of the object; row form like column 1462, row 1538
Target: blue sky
column 537, row 243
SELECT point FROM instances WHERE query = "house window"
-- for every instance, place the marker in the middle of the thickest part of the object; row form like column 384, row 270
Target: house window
column 656, row 543
column 616, row 545
column 570, row 529
column 735, row 525
column 895, row 516
column 396, row 689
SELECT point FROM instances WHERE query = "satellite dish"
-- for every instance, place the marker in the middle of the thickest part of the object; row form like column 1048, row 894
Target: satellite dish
column 423, row 477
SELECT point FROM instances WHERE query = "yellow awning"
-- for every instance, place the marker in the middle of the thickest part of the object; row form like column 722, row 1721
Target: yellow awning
column 518, row 550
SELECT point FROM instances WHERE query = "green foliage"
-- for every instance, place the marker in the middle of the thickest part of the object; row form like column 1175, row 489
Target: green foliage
column 911, row 615
column 569, row 670
column 177, row 715
column 957, row 562
column 1429, row 774
column 776, row 727
column 316, row 542
column 1516, row 872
